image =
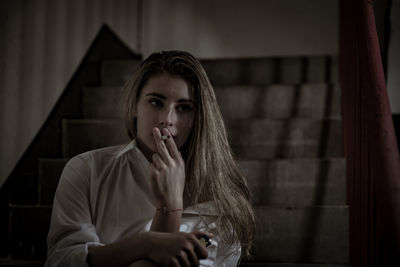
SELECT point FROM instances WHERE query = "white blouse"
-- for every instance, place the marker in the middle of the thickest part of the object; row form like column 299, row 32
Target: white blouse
column 103, row 196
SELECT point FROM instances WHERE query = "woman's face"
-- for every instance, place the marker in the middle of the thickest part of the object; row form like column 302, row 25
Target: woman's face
column 165, row 102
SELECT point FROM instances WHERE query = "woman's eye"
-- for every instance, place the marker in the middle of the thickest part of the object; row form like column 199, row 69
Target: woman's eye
column 185, row 108
column 155, row 102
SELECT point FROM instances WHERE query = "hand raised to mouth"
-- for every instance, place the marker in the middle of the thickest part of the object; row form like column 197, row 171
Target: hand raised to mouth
column 167, row 171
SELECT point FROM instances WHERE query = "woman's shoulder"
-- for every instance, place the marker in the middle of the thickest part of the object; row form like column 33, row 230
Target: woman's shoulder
column 95, row 156
column 80, row 168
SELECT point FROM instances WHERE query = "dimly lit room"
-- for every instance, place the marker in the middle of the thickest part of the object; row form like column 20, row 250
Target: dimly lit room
column 200, row 133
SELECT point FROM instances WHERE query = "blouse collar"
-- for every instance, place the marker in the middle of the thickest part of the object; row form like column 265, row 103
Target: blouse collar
column 127, row 147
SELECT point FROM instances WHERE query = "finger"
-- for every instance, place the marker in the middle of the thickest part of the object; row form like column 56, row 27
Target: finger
column 152, row 168
column 199, row 234
column 175, row 262
column 171, row 145
column 201, row 251
column 183, row 259
column 153, row 171
column 193, row 257
column 158, row 162
column 154, row 174
column 161, row 148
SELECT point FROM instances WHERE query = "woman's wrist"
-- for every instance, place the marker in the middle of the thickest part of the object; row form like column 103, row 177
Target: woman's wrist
column 165, row 210
column 174, row 204
column 167, row 219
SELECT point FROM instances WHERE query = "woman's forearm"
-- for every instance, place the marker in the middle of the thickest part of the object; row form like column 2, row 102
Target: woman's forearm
column 121, row 253
column 125, row 252
column 146, row 248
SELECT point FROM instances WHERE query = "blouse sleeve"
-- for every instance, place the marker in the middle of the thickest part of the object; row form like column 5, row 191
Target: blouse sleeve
column 71, row 228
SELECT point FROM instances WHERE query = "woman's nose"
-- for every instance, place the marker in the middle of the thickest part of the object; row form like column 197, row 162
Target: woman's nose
column 167, row 117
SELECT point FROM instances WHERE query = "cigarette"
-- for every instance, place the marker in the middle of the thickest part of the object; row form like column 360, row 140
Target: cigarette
column 164, row 137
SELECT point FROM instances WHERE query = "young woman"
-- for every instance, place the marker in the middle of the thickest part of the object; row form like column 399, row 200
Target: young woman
column 150, row 202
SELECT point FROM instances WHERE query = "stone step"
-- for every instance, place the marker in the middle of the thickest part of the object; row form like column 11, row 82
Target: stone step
column 279, row 101
column 117, row 72
column 49, row 175
column 21, row 263
column 239, row 102
column 250, row 71
column 291, row 138
column 102, row 102
column 261, row 71
column 294, row 131
column 250, row 139
column 318, row 234
column 29, row 225
column 84, row 135
column 270, row 151
column 305, row 182
column 285, row 264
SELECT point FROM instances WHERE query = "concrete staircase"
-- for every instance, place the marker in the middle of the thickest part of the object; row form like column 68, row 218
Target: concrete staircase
column 283, row 119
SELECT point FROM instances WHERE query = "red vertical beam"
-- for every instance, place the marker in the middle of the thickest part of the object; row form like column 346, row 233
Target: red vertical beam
column 370, row 146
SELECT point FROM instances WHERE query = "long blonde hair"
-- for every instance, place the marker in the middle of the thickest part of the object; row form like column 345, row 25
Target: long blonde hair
column 212, row 172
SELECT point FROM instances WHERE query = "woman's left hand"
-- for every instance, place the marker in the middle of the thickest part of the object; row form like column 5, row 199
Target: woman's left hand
column 167, row 172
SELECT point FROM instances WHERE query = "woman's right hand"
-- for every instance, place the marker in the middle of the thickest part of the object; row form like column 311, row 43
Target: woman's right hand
column 176, row 249
column 167, row 172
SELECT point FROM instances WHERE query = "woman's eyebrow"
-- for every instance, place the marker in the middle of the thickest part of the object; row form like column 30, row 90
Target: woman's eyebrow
column 163, row 97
